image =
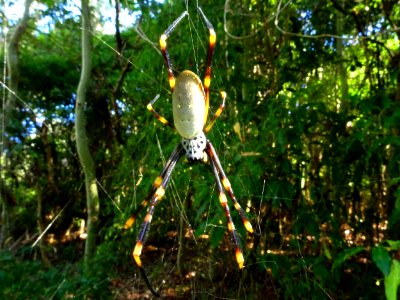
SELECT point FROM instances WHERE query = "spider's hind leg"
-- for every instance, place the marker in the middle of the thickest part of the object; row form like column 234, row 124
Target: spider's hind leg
column 164, row 50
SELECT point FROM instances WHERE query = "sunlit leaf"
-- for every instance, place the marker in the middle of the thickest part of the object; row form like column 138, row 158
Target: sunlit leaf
column 382, row 259
column 327, row 253
column 394, row 245
column 345, row 255
column 392, row 281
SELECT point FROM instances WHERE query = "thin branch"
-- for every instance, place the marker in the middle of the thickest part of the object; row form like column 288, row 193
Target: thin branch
column 145, row 38
column 318, row 36
column 226, row 9
column 117, row 26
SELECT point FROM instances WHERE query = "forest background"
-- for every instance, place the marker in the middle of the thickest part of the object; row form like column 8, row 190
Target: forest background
column 309, row 139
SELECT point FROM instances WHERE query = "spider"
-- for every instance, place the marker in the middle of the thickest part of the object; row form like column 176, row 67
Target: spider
column 190, row 101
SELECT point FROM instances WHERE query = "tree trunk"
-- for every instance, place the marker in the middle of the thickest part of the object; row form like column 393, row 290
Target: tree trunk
column 12, row 57
column 7, row 201
column 344, row 87
column 12, row 64
column 82, row 144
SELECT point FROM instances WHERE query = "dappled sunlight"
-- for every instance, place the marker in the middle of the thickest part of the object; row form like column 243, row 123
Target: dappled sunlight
column 302, row 98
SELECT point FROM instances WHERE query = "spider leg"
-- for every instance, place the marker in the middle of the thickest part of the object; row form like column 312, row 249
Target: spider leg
column 154, row 200
column 217, row 113
column 157, row 192
column 210, row 53
column 224, row 202
column 227, row 186
column 157, row 115
column 156, row 184
column 164, row 50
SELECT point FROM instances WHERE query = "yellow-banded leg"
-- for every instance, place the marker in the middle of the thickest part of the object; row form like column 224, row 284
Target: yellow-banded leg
column 210, row 53
column 224, row 203
column 227, row 186
column 156, row 114
column 211, row 46
column 217, row 113
column 156, row 184
column 164, row 50
column 157, row 192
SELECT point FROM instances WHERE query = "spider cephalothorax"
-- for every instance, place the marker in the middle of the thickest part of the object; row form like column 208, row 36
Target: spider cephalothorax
column 194, row 148
column 190, row 103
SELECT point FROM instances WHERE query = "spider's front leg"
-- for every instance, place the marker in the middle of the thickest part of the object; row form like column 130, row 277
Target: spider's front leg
column 227, row 186
column 223, row 183
column 157, row 192
column 156, row 184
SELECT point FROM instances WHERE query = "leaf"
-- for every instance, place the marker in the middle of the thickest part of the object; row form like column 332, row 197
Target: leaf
column 326, row 251
column 321, row 271
column 216, row 236
column 346, row 254
column 392, row 281
column 382, row 259
column 394, row 245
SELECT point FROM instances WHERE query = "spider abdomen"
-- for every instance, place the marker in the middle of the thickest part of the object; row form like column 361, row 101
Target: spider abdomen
column 188, row 104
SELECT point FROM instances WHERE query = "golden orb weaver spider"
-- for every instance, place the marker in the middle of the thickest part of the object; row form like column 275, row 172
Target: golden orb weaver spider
column 190, row 101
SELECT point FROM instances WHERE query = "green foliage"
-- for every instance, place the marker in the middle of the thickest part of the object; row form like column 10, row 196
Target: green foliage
column 309, row 139
column 23, row 279
column 390, row 267
column 345, row 255
column 382, row 259
column 392, row 281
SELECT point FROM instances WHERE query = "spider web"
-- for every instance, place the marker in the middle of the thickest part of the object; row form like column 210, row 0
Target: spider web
column 222, row 138
column 212, row 273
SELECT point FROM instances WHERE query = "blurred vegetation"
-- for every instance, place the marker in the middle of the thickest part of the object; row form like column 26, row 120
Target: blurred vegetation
column 309, row 139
